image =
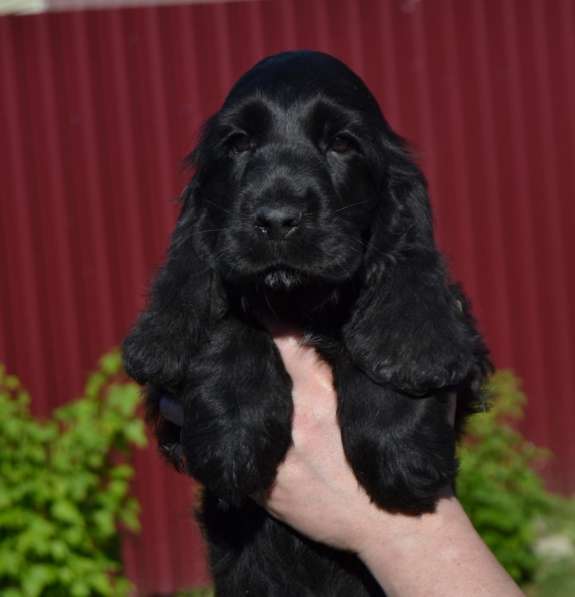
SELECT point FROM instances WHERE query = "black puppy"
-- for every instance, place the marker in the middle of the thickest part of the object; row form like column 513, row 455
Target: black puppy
column 305, row 207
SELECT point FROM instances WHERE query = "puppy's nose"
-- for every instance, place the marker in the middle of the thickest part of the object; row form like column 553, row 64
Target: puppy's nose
column 277, row 222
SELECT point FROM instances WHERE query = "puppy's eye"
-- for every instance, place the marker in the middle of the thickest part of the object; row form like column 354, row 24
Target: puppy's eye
column 342, row 144
column 240, row 143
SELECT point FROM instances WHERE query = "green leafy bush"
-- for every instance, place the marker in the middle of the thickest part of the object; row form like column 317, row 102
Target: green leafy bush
column 499, row 485
column 64, row 488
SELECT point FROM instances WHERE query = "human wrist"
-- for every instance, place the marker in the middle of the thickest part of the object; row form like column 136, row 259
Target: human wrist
column 396, row 530
column 386, row 533
column 393, row 545
column 405, row 552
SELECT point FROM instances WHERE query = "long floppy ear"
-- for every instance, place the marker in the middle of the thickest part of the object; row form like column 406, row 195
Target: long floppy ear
column 185, row 297
column 408, row 327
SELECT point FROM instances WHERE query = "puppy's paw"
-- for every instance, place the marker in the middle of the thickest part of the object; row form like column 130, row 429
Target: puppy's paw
column 234, row 437
column 406, row 474
column 401, row 449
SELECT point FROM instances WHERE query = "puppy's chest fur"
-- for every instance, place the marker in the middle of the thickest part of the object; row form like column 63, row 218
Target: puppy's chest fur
column 318, row 312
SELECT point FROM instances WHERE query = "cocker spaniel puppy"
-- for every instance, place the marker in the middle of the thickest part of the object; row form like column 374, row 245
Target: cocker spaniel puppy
column 307, row 209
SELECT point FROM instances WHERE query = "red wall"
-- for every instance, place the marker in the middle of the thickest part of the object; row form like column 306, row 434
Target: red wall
column 99, row 107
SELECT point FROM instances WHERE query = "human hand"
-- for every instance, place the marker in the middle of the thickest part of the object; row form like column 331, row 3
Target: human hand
column 315, row 490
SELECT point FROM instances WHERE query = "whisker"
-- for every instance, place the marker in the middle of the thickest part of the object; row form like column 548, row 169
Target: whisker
column 218, row 206
column 236, row 227
column 364, row 245
column 270, row 305
column 213, row 230
column 351, row 205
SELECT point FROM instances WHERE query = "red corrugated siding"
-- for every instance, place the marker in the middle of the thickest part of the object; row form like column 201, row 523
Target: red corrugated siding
column 98, row 108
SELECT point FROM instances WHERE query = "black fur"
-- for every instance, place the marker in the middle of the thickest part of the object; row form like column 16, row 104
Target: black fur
column 304, row 207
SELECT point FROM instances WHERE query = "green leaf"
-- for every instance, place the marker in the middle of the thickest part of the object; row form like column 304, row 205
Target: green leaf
column 111, row 363
column 36, row 579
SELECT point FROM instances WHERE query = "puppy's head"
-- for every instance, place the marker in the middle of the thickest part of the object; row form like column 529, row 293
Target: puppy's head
column 294, row 175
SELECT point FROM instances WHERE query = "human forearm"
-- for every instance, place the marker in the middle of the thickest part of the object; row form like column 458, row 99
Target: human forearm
column 432, row 555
